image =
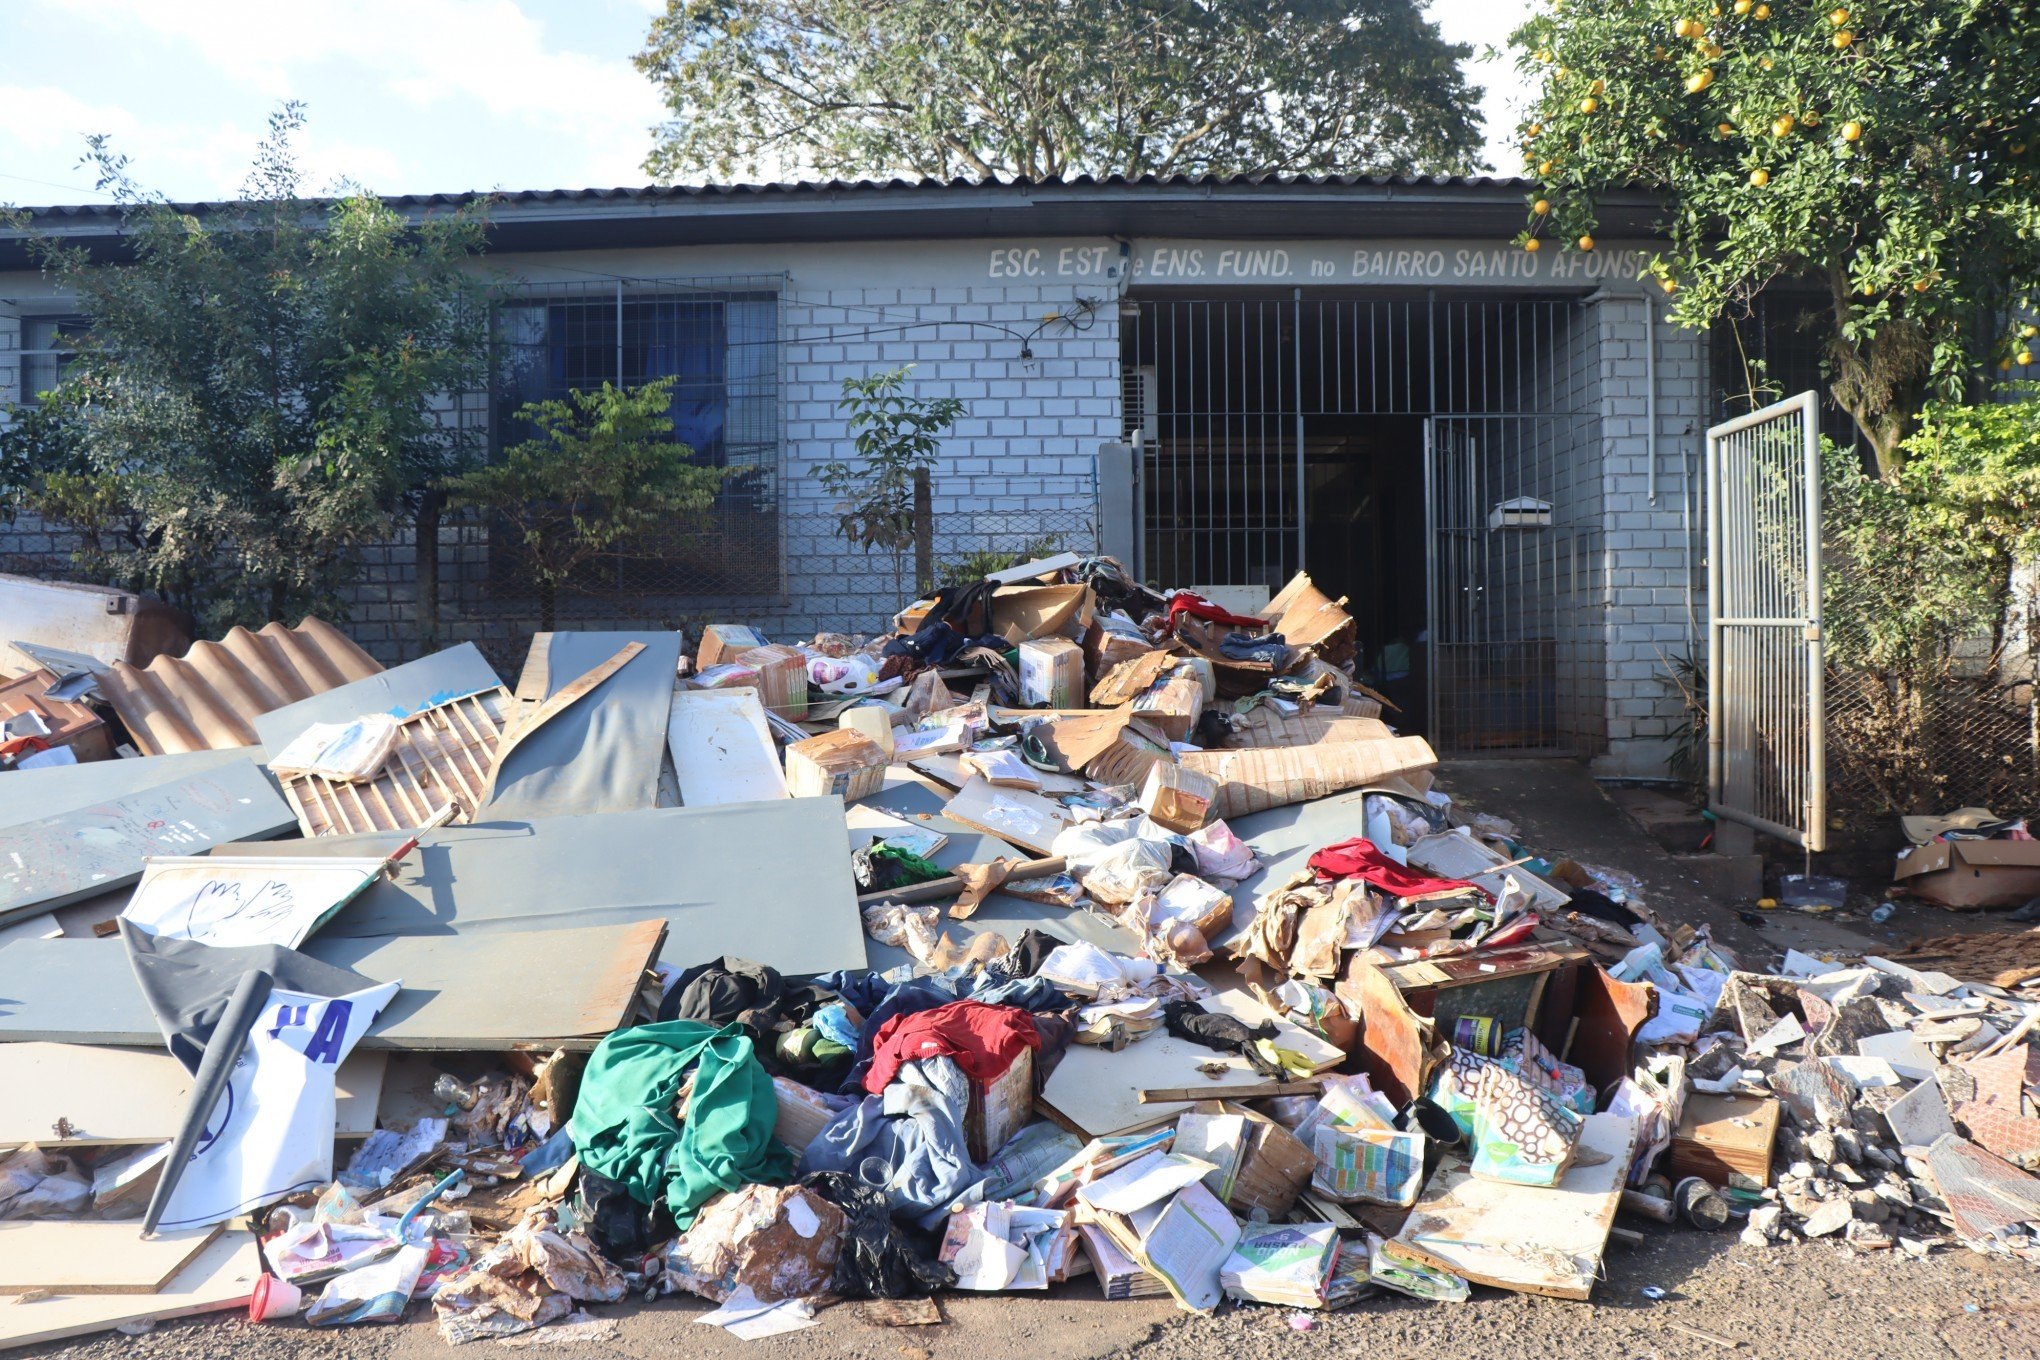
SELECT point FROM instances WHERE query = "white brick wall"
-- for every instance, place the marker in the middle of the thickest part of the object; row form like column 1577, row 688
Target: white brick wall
column 1649, row 566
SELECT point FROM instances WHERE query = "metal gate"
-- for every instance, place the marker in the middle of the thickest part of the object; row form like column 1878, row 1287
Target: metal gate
column 1766, row 721
column 1517, row 584
column 1248, row 410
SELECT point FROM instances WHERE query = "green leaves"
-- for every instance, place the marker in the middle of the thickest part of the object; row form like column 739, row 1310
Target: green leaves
column 896, row 437
column 260, row 390
column 604, row 470
column 1044, row 88
column 1897, row 169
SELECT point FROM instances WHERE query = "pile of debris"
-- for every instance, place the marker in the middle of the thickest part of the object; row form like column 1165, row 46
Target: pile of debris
column 1068, row 927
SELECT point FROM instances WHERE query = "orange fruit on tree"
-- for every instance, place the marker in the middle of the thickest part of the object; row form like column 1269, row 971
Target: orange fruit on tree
column 1762, row 11
column 1760, row 177
column 1782, row 125
column 1586, row 243
column 1589, row 104
column 1843, row 39
column 1742, row 6
column 1541, row 207
column 2025, row 356
column 1852, row 131
column 1699, row 81
column 1533, row 245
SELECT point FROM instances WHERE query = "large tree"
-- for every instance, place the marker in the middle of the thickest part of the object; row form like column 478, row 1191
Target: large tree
column 1883, row 152
column 1045, row 88
column 261, row 391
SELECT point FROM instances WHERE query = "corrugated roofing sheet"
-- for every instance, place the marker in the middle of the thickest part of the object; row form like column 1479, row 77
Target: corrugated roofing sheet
column 208, row 698
column 798, row 188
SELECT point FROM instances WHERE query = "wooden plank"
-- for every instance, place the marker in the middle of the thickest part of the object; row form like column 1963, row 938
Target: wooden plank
column 72, row 1095
column 1016, row 816
column 1175, row 1095
column 571, row 693
column 722, row 748
column 94, row 849
column 1247, row 1008
column 1093, row 1092
column 441, row 758
column 82, row 1257
column 221, row 1278
column 1530, row 1239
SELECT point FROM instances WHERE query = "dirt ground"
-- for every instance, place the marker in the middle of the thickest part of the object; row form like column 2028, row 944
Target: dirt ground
column 1807, row 1301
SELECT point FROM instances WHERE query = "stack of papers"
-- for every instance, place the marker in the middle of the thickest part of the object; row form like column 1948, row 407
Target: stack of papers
column 1157, row 1211
column 1290, row 1264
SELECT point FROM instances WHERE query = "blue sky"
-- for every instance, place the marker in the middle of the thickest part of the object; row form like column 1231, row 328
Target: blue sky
column 402, row 96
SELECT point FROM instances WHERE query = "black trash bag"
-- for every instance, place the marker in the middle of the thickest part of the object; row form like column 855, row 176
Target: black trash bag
column 623, row 1230
column 882, row 1259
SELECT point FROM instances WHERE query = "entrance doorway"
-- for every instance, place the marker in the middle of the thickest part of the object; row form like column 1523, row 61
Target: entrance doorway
column 1435, row 460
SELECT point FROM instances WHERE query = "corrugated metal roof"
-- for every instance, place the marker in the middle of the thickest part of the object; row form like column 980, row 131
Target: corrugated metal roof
column 1466, row 207
column 208, row 698
column 897, row 185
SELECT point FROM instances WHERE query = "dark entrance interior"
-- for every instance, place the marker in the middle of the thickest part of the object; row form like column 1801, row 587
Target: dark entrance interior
column 1303, row 431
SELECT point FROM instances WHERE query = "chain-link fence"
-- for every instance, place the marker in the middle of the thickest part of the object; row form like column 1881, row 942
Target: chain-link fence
column 816, row 580
column 1961, row 741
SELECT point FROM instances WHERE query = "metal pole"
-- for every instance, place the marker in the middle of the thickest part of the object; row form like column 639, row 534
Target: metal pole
column 1816, row 647
column 1711, row 493
column 1302, row 481
column 1432, row 717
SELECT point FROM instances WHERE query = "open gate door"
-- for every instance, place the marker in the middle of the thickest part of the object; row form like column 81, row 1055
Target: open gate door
column 1766, row 668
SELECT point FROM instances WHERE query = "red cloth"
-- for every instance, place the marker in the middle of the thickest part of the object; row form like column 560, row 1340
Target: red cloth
column 1183, row 602
column 982, row 1040
column 1360, row 858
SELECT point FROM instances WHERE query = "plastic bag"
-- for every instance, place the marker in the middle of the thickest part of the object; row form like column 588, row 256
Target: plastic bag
column 34, row 1184
column 1128, row 869
column 376, row 1292
column 1520, row 1131
column 1083, row 845
column 1221, row 854
column 881, row 1259
column 852, row 674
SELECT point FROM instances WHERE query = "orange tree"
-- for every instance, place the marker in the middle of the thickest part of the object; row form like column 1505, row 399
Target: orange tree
column 1885, row 151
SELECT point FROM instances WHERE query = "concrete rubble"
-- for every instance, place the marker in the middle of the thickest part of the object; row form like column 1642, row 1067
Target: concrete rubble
column 1066, row 927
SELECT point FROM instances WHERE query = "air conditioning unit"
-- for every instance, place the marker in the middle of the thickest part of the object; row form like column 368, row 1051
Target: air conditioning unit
column 1139, row 422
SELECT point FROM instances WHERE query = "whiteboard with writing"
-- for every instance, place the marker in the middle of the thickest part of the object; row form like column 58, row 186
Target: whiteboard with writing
column 245, row 901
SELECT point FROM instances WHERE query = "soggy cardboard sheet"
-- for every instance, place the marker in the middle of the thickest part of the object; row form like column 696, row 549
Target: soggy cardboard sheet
column 1530, row 1239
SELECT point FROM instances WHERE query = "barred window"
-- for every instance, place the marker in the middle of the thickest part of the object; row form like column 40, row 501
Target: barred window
column 720, row 340
column 48, row 344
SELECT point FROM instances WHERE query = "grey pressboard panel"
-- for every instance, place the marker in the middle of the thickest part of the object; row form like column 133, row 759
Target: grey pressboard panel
column 32, row 795
column 501, row 991
column 602, row 753
column 767, row 881
column 98, row 847
column 400, row 689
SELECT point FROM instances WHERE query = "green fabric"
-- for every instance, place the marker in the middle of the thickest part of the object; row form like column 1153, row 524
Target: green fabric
column 623, row 1124
column 912, row 868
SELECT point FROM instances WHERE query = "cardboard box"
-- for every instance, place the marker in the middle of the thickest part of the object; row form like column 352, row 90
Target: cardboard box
column 1173, row 704
column 1022, row 612
column 1051, row 673
column 999, row 1109
column 1719, row 1136
column 1112, row 748
column 66, row 723
column 782, row 679
column 803, row 1113
column 722, row 642
column 1177, row 798
column 1256, row 780
column 846, row 763
column 1967, row 875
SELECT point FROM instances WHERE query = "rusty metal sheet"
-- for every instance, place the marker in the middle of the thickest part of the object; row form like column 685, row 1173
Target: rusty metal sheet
column 562, row 989
column 209, row 698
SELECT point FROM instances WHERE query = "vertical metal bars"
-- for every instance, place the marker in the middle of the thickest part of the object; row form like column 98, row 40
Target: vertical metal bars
column 1766, row 698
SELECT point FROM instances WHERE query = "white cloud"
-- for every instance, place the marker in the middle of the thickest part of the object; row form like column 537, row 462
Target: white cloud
column 1505, row 94
column 432, row 54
